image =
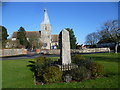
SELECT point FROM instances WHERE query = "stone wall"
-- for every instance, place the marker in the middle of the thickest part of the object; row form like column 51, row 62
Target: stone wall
column 87, row 50
column 50, row 51
column 12, row 52
column 90, row 50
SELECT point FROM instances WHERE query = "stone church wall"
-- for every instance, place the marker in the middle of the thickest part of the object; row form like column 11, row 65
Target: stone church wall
column 12, row 52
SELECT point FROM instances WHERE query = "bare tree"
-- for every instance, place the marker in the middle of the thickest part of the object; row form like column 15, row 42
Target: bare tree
column 92, row 38
column 35, row 42
column 12, row 44
column 111, row 31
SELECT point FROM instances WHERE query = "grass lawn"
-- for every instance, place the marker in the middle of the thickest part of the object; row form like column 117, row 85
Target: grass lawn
column 16, row 74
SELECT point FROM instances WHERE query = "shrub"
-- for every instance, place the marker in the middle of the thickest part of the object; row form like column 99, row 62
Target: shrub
column 48, row 62
column 80, row 73
column 76, row 58
column 52, row 74
column 97, row 69
column 40, row 59
column 81, row 61
column 41, row 65
column 85, row 63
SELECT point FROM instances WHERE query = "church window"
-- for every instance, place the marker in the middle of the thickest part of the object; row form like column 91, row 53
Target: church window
column 44, row 44
column 45, row 27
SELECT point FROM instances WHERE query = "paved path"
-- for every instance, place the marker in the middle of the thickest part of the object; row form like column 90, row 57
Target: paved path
column 26, row 57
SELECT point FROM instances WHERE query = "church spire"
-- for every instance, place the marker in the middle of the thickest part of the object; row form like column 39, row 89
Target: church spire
column 46, row 18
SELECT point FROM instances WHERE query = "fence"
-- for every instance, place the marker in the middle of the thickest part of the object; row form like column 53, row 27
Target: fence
column 67, row 67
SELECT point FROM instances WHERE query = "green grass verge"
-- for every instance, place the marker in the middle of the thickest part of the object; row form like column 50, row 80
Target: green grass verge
column 16, row 74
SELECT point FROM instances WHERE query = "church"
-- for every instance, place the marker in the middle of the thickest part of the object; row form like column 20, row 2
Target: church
column 49, row 40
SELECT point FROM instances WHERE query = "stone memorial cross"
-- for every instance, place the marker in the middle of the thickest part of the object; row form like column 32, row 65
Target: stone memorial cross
column 65, row 54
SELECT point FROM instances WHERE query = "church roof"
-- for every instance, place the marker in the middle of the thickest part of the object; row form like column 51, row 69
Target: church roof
column 55, row 38
column 46, row 18
column 29, row 34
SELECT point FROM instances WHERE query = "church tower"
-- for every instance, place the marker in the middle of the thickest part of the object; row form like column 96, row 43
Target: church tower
column 45, row 28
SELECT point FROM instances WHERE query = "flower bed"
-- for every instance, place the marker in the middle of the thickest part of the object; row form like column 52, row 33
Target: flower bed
column 46, row 70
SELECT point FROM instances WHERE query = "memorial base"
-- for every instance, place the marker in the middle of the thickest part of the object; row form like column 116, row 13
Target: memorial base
column 67, row 67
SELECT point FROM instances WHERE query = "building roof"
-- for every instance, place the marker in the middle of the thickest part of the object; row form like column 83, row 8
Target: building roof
column 29, row 34
column 46, row 18
column 55, row 38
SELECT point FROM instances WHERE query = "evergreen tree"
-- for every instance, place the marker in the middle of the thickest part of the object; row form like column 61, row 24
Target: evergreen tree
column 21, row 36
column 72, row 39
column 3, row 35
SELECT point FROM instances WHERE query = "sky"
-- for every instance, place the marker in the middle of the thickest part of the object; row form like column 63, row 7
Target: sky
column 83, row 17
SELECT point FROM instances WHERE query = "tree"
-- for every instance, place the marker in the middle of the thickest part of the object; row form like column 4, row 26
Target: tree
column 3, row 35
column 35, row 42
column 92, row 38
column 12, row 44
column 21, row 36
column 110, row 31
column 73, row 40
